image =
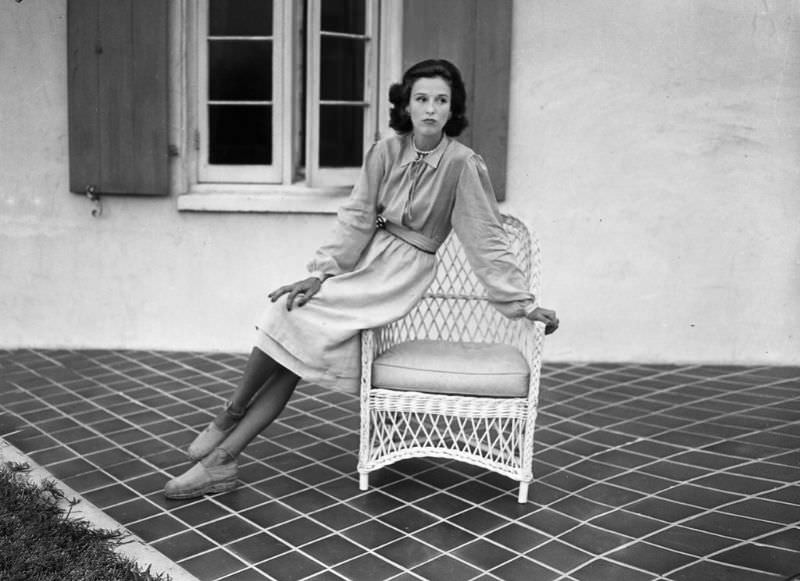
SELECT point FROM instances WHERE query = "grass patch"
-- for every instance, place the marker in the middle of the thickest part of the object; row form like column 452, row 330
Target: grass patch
column 40, row 539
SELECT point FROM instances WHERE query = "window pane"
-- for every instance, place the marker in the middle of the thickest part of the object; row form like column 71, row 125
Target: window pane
column 240, row 70
column 240, row 134
column 342, row 69
column 240, row 18
column 343, row 16
column 341, row 136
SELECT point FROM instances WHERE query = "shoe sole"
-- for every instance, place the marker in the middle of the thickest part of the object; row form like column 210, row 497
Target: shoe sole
column 214, row 488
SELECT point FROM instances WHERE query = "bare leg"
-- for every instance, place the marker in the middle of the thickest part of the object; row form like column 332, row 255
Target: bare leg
column 258, row 370
column 262, row 411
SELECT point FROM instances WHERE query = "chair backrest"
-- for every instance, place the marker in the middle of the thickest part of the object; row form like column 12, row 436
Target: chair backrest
column 456, row 308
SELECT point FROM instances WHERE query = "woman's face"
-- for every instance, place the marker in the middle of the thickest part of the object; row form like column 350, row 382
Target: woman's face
column 429, row 109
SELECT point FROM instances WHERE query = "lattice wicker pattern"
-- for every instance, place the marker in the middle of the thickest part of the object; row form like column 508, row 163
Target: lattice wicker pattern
column 495, row 433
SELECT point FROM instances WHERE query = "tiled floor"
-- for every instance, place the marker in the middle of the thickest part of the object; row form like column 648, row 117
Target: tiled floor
column 642, row 472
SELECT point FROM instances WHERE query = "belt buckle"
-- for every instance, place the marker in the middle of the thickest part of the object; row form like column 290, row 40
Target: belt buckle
column 380, row 222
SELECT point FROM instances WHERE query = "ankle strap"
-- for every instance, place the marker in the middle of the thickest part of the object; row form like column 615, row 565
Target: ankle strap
column 236, row 415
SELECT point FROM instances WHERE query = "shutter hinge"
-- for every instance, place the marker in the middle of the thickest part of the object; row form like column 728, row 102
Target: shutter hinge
column 94, row 197
column 197, row 140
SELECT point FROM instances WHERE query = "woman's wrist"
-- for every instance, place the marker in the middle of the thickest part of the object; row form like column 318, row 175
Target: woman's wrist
column 529, row 308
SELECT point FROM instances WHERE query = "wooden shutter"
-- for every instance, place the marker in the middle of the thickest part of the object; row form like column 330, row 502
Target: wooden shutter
column 476, row 36
column 118, row 100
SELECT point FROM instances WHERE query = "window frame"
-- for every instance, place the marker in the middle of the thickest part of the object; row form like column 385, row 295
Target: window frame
column 317, row 175
column 294, row 193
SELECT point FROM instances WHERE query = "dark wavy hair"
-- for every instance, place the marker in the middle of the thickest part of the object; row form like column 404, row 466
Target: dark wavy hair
column 400, row 96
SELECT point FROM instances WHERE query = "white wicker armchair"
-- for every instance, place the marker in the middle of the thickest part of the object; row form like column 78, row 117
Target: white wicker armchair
column 437, row 412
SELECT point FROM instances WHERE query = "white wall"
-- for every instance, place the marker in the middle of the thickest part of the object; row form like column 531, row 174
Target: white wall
column 654, row 147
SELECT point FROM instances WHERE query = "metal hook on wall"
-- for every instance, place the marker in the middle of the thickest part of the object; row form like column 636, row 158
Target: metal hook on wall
column 97, row 211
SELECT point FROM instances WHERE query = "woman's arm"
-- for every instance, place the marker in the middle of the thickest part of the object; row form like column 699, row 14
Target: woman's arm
column 355, row 224
column 477, row 222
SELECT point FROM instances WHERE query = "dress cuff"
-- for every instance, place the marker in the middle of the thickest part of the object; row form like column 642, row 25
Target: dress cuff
column 319, row 274
column 530, row 307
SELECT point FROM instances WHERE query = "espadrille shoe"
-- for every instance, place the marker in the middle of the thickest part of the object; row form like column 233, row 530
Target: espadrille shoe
column 217, row 472
column 212, row 436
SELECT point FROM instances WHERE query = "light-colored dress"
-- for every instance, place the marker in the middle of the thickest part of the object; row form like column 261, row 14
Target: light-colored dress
column 375, row 277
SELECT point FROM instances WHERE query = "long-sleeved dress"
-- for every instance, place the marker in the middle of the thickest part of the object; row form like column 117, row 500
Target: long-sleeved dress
column 377, row 275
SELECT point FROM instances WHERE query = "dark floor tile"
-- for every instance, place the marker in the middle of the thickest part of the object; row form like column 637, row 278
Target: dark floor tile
column 89, row 481
column 602, row 570
column 735, row 483
column 290, row 567
column 647, row 557
column 445, row 567
column 408, row 519
column 446, row 536
column 183, row 545
column 109, row 495
column 767, row 559
column 442, row 504
column 769, row 470
column 367, row 568
column 129, row 469
column 594, row 540
column 332, row 550
column 579, row 508
column 68, row 468
column 308, row 500
column 408, row 552
column 523, row 569
column 765, row 510
column 483, row 554
column 372, row 534
column 559, row 555
column 673, row 471
column 299, row 531
column 691, row 541
column 711, row 571
column 518, row 538
column 156, row 527
column 738, row 527
column 132, row 511
column 374, row 503
column 622, row 458
column 478, row 521
column 639, row 482
column 278, row 486
column 661, row 509
column 257, row 548
column 212, row 565
column 147, row 484
column 198, row 512
column 550, row 521
column 699, row 496
column 339, row 517
column 628, row 523
column 227, row 530
column 786, row 539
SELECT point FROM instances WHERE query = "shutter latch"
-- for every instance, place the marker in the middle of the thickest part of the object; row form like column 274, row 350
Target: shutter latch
column 92, row 194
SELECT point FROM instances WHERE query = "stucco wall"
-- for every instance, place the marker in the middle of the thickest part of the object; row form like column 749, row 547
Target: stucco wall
column 654, row 147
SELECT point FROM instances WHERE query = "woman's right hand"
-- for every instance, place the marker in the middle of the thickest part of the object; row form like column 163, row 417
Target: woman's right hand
column 545, row 316
column 301, row 291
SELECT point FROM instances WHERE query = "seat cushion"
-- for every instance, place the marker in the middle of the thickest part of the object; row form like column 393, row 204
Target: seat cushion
column 485, row 369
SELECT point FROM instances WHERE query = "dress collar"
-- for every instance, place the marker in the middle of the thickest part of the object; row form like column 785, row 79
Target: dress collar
column 433, row 158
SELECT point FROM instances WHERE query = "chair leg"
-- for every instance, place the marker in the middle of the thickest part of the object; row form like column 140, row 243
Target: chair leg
column 523, row 493
column 363, row 481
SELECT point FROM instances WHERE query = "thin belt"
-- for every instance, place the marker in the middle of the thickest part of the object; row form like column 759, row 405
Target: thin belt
column 412, row 237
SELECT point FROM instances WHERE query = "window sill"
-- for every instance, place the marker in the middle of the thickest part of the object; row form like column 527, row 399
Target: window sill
column 263, row 199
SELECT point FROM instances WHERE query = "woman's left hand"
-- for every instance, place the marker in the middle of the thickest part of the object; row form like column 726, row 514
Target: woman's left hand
column 299, row 292
column 545, row 316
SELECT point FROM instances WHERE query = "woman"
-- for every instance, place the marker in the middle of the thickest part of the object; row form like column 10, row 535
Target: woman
column 413, row 189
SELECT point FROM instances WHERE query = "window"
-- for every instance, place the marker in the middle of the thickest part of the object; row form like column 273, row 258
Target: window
column 287, row 90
